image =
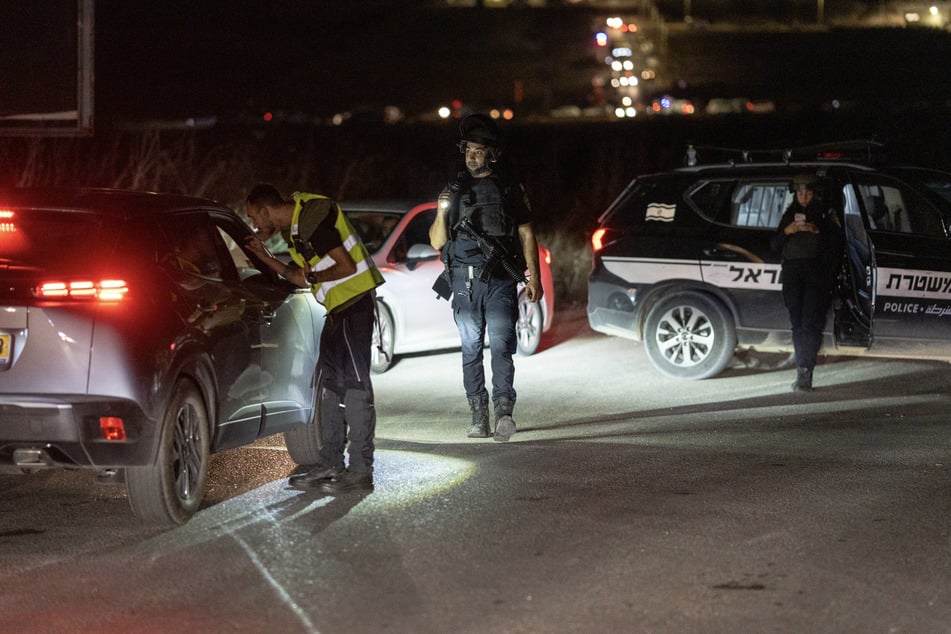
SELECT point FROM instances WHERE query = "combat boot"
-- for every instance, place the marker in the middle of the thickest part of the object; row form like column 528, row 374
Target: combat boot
column 479, row 428
column 504, row 423
column 803, row 382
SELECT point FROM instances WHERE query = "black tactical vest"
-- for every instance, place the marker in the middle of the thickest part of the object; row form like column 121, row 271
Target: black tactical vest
column 483, row 201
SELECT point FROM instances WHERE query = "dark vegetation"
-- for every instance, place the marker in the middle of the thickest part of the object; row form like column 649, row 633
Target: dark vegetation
column 572, row 171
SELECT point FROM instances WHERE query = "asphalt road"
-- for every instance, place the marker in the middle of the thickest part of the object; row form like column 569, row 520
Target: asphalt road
column 627, row 502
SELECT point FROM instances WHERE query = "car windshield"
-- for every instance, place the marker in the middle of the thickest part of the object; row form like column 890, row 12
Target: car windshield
column 374, row 227
column 45, row 239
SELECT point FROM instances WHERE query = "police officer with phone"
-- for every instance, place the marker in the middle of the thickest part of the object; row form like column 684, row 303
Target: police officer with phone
column 811, row 241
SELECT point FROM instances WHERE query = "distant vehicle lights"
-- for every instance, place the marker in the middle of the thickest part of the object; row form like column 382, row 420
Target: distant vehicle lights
column 626, row 110
column 615, row 22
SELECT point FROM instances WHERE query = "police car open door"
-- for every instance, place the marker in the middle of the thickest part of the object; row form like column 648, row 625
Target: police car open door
column 910, row 267
column 854, row 300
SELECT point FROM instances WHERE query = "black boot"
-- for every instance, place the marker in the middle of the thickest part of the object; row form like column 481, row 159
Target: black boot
column 803, row 382
column 315, row 477
column 479, row 428
column 504, row 423
column 348, row 481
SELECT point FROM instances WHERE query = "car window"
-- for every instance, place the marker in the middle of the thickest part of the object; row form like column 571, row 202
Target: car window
column 374, row 227
column 48, row 240
column 655, row 201
column 416, row 232
column 241, row 260
column 857, row 242
column 712, row 199
column 760, row 204
column 891, row 206
column 137, row 240
column 193, row 245
column 940, row 186
column 743, row 203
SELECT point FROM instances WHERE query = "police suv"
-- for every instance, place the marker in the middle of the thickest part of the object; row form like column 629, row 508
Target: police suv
column 683, row 259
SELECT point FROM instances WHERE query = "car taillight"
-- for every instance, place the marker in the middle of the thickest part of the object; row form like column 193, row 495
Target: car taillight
column 6, row 221
column 105, row 290
column 112, row 428
column 603, row 237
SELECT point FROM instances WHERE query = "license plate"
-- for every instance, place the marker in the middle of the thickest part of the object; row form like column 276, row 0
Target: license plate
column 6, row 349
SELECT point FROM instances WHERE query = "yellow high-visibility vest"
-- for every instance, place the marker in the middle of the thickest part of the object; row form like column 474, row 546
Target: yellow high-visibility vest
column 336, row 292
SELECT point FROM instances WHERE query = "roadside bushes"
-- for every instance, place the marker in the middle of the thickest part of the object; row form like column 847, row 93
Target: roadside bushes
column 572, row 170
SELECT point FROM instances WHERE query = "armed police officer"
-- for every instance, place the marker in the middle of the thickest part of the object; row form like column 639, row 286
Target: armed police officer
column 484, row 228
column 329, row 257
column 811, row 241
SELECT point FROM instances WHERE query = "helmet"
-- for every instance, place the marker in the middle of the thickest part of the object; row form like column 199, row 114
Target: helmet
column 806, row 180
column 479, row 128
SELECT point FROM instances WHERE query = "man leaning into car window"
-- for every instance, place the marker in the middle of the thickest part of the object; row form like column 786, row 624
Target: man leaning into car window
column 811, row 242
column 329, row 257
column 483, row 226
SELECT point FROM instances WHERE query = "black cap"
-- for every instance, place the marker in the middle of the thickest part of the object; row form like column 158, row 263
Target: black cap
column 479, row 128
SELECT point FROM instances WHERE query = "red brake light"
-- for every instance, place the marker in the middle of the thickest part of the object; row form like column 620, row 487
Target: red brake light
column 6, row 221
column 596, row 239
column 112, row 428
column 112, row 290
column 106, row 290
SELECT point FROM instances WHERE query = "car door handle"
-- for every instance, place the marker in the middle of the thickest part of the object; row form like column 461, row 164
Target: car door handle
column 726, row 251
column 722, row 254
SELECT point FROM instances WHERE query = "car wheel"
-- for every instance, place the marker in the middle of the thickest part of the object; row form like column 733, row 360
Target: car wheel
column 528, row 328
column 689, row 336
column 381, row 352
column 304, row 441
column 169, row 492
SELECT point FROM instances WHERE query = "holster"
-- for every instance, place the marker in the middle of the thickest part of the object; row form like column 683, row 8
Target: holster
column 443, row 285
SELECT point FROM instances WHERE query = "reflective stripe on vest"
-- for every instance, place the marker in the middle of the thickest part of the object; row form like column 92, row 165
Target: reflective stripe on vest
column 336, row 292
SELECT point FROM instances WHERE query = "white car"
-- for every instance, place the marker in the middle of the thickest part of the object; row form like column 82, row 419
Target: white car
column 412, row 317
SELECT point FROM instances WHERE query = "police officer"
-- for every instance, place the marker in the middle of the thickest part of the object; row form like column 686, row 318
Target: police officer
column 329, row 257
column 811, row 242
column 484, row 293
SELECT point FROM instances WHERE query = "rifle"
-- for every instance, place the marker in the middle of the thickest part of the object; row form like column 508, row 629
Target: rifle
column 495, row 252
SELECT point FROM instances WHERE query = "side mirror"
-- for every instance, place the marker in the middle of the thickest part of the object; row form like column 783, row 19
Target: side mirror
column 421, row 253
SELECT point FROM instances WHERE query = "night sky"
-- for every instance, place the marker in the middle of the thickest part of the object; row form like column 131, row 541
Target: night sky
column 184, row 58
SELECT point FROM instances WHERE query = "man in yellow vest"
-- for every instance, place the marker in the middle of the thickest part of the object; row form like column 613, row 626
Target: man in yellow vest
column 329, row 257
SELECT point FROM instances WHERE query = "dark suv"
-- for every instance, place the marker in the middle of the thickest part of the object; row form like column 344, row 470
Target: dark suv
column 683, row 259
column 138, row 335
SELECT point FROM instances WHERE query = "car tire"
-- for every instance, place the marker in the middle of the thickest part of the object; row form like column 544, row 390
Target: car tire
column 529, row 325
column 303, row 442
column 384, row 338
column 689, row 336
column 170, row 491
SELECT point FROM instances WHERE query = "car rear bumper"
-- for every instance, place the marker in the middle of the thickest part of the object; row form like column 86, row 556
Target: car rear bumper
column 66, row 432
column 613, row 309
